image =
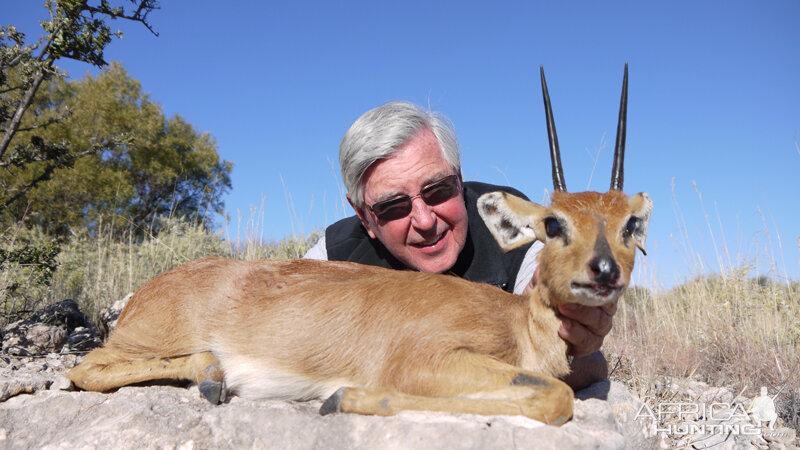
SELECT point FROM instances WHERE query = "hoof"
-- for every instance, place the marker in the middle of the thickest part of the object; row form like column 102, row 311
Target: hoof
column 213, row 391
column 333, row 404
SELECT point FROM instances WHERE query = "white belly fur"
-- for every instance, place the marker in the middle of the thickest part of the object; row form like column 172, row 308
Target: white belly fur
column 257, row 379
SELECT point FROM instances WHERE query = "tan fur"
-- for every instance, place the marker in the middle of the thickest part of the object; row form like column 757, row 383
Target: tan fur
column 586, row 217
column 402, row 340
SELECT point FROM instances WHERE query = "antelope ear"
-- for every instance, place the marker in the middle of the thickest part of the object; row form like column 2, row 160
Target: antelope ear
column 511, row 220
column 641, row 208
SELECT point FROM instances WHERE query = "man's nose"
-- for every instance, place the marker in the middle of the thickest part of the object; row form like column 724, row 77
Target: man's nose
column 422, row 214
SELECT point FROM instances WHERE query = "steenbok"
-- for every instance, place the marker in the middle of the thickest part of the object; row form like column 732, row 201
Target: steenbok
column 377, row 341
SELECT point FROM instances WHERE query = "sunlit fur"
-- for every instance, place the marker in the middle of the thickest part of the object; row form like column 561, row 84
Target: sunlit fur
column 298, row 329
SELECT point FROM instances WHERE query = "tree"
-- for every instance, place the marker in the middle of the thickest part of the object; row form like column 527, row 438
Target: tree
column 164, row 167
column 76, row 30
column 79, row 30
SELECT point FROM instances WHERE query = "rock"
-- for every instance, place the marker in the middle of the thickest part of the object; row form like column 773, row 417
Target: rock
column 700, row 417
column 13, row 384
column 64, row 314
column 27, row 338
column 716, row 395
column 688, row 389
column 624, row 407
column 61, row 383
column 30, row 375
column 82, row 339
column 59, row 327
column 160, row 416
column 109, row 316
column 714, row 435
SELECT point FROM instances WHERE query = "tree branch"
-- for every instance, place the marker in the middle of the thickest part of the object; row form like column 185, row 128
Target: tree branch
column 48, row 172
column 23, row 106
column 42, row 125
column 11, row 89
column 13, row 62
column 144, row 5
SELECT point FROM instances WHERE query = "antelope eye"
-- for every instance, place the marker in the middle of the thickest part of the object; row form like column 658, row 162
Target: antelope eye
column 552, row 227
column 630, row 227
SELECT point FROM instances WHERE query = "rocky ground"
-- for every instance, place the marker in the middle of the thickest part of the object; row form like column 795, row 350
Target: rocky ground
column 39, row 409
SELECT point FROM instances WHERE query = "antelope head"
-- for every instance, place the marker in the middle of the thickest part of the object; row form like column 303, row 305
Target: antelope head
column 589, row 238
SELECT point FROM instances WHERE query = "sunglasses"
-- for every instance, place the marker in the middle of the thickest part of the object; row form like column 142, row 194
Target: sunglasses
column 433, row 194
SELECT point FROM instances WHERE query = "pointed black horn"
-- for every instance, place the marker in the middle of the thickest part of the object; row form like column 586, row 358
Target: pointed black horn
column 555, row 154
column 617, row 172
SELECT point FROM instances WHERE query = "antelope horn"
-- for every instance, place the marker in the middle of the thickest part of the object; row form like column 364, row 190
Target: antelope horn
column 617, row 175
column 555, row 154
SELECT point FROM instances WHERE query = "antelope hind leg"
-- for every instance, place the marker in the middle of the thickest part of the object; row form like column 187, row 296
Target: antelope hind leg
column 104, row 370
column 501, row 389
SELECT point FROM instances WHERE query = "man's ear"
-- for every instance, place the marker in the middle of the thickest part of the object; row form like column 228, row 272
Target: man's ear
column 362, row 216
column 511, row 220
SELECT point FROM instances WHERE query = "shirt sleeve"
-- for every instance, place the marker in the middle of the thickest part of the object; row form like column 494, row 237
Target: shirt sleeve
column 528, row 267
column 319, row 251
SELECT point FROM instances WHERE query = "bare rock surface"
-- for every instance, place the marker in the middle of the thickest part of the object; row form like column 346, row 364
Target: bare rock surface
column 173, row 417
column 27, row 338
column 27, row 375
column 58, row 327
column 109, row 316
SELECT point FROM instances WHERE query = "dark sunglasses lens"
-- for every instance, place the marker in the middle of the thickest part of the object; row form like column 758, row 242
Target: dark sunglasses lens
column 392, row 209
column 441, row 191
column 397, row 208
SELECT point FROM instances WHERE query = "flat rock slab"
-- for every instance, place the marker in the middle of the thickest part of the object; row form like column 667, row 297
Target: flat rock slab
column 171, row 417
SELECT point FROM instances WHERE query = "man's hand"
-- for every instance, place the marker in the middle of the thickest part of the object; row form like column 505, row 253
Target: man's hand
column 583, row 327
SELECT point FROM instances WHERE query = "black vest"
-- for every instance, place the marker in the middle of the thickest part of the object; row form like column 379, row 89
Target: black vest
column 481, row 259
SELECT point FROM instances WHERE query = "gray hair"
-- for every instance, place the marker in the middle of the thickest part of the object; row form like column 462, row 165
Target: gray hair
column 378, row 134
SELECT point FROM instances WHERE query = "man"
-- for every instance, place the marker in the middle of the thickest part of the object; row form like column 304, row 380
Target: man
column 401, row 167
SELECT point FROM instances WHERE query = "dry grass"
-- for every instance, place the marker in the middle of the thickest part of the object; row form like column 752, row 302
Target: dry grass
column 728, row 330
column 731, row 329
column 96, row 269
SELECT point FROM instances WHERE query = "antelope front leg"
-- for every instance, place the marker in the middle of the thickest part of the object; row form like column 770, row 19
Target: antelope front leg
column 468, row 383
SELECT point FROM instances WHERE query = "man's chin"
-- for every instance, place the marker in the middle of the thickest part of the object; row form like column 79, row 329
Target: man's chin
column 436, row 263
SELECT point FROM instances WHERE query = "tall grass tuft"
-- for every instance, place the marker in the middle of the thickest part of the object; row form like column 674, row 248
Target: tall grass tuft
column 734, row 328
column 97, row 268
column 727, row 330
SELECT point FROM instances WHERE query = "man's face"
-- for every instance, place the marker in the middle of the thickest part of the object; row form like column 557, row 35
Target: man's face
column 430, row 238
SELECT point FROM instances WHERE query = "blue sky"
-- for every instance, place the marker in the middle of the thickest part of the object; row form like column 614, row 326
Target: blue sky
column 713, row 102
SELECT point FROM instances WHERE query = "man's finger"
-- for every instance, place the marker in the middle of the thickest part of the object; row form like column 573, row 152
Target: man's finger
column 581, row 340
column 596, row 319
column 610, row 308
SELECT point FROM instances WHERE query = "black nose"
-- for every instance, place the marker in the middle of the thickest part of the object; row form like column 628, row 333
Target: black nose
column 605, row 270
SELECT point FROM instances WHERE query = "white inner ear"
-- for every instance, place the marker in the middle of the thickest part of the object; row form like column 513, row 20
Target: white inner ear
column 642, row 208
column 510, row 219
